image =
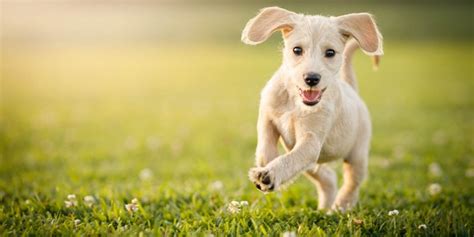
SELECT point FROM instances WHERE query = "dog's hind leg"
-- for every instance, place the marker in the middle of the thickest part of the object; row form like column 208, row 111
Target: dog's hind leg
column 354, row 172
column 325, row 180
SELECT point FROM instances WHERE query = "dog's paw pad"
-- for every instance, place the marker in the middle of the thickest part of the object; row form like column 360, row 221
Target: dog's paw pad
column 263, row 179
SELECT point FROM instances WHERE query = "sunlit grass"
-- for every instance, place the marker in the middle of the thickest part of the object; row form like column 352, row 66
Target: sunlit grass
column 88, row 121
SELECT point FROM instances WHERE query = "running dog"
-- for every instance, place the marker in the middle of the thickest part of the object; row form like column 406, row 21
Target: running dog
column 312, row 103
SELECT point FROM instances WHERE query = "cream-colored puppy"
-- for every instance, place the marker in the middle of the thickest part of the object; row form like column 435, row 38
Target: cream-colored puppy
column 312, row 104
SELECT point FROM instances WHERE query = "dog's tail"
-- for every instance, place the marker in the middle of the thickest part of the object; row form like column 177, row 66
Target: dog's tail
column 347, row 72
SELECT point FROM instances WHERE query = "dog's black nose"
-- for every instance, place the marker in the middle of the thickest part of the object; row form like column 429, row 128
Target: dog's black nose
column 312, row 79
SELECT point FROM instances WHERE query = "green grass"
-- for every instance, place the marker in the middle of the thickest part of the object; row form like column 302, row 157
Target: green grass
column 87, row 121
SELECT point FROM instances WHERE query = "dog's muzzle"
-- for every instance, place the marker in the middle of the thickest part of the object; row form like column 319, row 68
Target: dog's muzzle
column 311, row 96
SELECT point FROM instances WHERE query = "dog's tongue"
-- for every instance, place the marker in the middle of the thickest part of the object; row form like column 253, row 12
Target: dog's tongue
column 311, row 95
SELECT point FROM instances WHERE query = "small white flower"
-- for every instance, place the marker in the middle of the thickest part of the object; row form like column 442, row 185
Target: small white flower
column 422, row 226
column 236, row 206
column 71, row 197
column 435, row 169
column 77, row 221
column 393, row 213
column 289, row 234
column 27, row 202
column 71, row 201
column 132, row 207
column 470, row 172
column 216, row 186
column 135, row 201
column 434, row 189
column 89, row 200
column 145, row 174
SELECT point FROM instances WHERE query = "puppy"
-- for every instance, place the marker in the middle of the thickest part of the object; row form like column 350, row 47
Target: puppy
column 312, row 103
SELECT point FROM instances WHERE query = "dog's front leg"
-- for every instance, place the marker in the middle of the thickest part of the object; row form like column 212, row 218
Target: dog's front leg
column 267, row 144
column 286, row 167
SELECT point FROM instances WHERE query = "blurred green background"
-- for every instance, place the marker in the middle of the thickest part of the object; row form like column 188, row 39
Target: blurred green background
column 158, row 100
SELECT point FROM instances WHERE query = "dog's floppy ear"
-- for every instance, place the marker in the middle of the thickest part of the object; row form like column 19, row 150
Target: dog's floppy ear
column 362, row 27
column 269, row 20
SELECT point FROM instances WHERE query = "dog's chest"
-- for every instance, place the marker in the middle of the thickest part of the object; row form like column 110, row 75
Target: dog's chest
column 285, row 123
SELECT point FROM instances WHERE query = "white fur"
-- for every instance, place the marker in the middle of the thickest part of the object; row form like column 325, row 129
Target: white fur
column 337, row 127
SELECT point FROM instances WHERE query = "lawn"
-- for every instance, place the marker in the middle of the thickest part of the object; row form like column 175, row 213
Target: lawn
column 140, row 119
column 179, row 137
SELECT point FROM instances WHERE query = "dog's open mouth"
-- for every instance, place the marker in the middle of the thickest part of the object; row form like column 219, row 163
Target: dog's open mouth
column 312, row 96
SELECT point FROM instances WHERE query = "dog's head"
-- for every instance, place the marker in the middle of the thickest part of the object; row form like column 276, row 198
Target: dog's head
column 313, row 45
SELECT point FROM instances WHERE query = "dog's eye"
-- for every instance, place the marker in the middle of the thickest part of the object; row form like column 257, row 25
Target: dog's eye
column 298, row 51
column 329, row 53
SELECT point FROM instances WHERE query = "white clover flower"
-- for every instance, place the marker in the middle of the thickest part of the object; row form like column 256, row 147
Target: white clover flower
column 236, row 206
column 135, row 201
column 71, row 197
column 77, row 221
column 435, row 169
column 393, row 212
column 89, row 200
column 434, row 189
column 422, row 227
column 146, row 174
column 289, row 234
column 71, row 201
column 470, row 172
column 216, row 186
column 132, row 207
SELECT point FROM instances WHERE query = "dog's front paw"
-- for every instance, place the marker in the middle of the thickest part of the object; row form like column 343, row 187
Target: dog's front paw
column 263, row 179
